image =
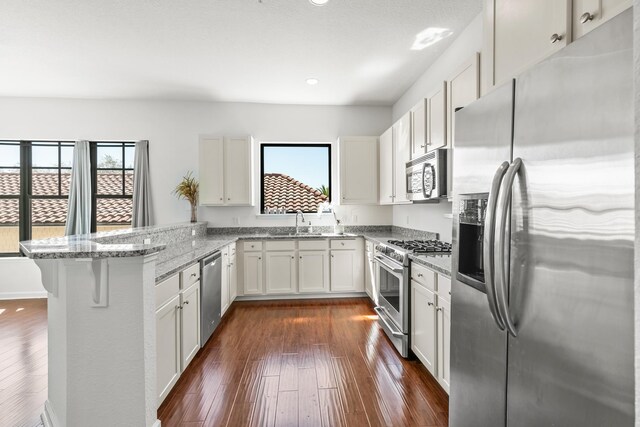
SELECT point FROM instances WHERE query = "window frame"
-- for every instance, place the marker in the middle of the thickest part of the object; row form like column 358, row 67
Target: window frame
column 26, row 169
column 326, row 145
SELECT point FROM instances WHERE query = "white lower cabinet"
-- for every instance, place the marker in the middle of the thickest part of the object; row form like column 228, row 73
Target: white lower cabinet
column 444, row 342
column 281, row 272
column 252, row 269
column 167, row 347
column 370, row 278
column 313, row 271
column 224, row 281
column 423, row 325
column 189, row 324
column 233, row 274
column 431, row 322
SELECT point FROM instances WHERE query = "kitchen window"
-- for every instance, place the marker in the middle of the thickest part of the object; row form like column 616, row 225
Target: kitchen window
column 34, row 189
column 294, row 177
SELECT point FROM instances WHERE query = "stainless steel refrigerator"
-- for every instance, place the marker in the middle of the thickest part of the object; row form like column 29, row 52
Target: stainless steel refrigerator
column 542, row 299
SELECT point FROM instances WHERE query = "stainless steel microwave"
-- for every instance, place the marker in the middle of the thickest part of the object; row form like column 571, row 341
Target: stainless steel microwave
column 427, row 176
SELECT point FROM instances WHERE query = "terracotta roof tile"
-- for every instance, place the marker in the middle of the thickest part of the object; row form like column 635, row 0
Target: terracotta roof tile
column 54, row 211
column 283, row 191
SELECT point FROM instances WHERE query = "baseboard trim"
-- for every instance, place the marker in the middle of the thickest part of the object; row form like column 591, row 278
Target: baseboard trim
column 23, row 295
column 156, row 424
column 48, row 416
column 300, row 296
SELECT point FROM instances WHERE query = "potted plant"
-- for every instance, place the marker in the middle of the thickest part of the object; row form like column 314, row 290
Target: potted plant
column 188, row 189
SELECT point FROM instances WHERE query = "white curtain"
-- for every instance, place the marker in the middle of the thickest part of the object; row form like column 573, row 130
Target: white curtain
column 79, row 212
column 141, row 186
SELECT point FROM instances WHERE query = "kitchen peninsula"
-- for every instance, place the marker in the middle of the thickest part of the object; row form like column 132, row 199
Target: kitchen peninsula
column 102, row 306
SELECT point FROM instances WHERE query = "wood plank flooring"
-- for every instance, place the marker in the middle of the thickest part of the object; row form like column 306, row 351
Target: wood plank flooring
column 295, row 363
column 23, row 361
column 323, row 363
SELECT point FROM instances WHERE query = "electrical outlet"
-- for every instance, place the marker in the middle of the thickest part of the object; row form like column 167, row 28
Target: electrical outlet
column 407, row 219
column 193, row 232
column 146, row 242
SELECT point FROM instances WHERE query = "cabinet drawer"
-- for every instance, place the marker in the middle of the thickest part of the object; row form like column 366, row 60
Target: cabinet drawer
column 167, row 289
column 344, row 244
column 313, row 245
column 424, row 276
column 252, row 246
column 444, row 287
column 190, row 275
column 281, row 245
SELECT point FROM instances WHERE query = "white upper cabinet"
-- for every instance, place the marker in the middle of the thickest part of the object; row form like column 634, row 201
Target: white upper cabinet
column 462, row 89
column 437, row 137
column 419, row 130
column 402, row 152
column 358, row 170
column 238, row 174
column 211, row 171
column 520, row 33
column 226, row 171
column 589, row 14
column 386, row 168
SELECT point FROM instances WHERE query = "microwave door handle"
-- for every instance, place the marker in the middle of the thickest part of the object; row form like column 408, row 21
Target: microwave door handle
column 502, row 276
column 488, row 243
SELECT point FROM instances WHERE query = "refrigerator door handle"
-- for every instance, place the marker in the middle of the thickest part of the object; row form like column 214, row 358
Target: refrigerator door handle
column 488, row 243
column 502, row 276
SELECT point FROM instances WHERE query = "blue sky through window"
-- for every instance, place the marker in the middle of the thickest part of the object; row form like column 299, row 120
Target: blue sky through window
column 308, row 164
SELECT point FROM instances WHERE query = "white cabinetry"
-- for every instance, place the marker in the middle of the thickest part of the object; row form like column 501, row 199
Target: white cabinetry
column 386, row 168
column 233, row 273
column 437, row 135
column 347, row 266
column 402, row 154
column 226, row 171
column 423, row 321
column 358, row 170
column 370, row 277
column 252, row 273
column 462, row 89
column 281, row 272
column 189, row 324
column 419, row 130
column 313, row 271
column 228, row 286
column 520, row 33
column 431, row 322
column 167, row 347
column 589, row 14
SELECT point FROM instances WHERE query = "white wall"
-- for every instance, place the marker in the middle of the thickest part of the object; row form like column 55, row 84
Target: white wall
column 432, row 217
column 173, row 129
column 20, row 278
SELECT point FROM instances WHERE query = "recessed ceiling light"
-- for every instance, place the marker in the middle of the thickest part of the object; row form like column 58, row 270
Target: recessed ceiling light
column 319, row 2
column 430, row 36
column 312, row 81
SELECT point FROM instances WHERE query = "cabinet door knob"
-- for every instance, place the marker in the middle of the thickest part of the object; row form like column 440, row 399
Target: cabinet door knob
column 178, row 307
column 429, row 304
column 419, row 274
column 555, row 37
column 220, row 198
column 193, row 274
column 186, row 302
column 292, row 257
column 228, row 198
column 586, row 17
column 422, row 146
column 259, row 257
column 438, row 308
column 300, row 257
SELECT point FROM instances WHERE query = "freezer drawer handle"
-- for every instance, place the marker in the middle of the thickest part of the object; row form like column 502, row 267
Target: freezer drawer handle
column 502, row 276
column 488, row 243
column 382, row 316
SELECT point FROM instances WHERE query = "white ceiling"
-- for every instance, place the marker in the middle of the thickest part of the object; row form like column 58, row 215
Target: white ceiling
column 221, row 50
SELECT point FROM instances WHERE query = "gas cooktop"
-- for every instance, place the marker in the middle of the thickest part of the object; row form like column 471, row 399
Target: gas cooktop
column 422, row 246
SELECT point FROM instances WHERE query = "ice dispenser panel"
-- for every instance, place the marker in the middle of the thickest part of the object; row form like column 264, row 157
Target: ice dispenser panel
column 471, row 215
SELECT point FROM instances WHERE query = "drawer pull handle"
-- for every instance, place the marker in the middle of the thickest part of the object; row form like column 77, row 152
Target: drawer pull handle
column 419, row 274
column 193, row 274
column 429, row 304
column 555, row 37
column 186, row 302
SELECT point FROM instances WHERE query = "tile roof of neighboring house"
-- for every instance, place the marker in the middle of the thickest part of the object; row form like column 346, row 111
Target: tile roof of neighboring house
column 54, row 211
column 281, row 190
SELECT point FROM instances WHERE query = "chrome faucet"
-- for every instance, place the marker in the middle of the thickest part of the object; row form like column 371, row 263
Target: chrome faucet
column 302, row 215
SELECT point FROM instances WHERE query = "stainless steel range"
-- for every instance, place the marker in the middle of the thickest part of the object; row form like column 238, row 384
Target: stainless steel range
column 392, row 265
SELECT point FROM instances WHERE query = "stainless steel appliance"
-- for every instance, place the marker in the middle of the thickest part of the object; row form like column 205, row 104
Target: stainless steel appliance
column 392, row 261
column 210, row 295
column 542, row 299
column 427, row 177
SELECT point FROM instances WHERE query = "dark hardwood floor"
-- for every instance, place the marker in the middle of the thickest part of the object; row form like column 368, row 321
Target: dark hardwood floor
column 303, row 363
column 23, row 361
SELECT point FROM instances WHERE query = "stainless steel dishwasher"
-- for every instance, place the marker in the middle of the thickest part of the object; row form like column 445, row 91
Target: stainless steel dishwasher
column 210, row 287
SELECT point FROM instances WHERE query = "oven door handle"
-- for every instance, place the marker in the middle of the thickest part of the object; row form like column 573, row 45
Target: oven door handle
column 381, row 316
column 389, row 266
